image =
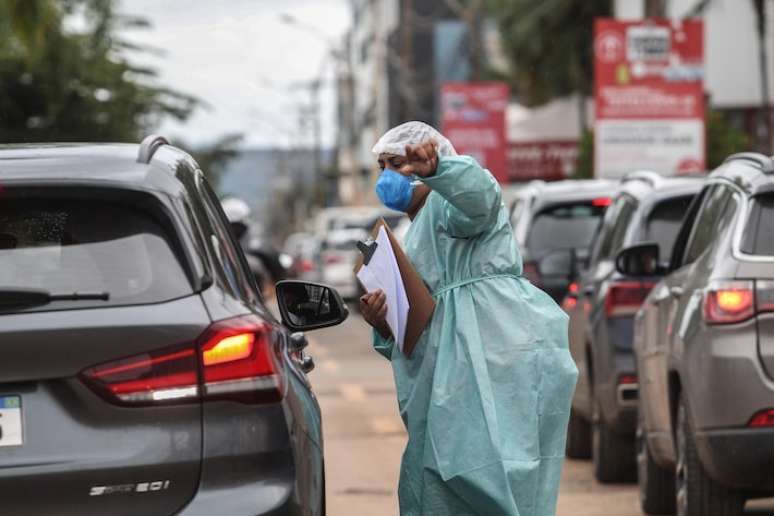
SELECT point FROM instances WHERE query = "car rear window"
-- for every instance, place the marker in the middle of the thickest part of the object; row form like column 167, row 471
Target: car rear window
column 64, row 246
column 563, row 226
column 758, row 236
column 663, row 224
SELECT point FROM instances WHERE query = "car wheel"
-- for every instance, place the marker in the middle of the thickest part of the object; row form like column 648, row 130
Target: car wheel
column 612, row 453
column 656, row 484
column 578, row 437
column 697, row 493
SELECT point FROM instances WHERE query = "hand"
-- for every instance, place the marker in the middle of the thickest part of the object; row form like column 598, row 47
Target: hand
column 373, row 307
column 421, row 159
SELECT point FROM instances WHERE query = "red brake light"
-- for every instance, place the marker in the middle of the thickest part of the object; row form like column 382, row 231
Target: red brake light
column 306, row 266
column 167, row 375
column 238, row 361
column 625, row 298
column 571, row 299
column 333, row 258
column 627, row 379
column 764, row 418
column 602, row 201
column 728, row 302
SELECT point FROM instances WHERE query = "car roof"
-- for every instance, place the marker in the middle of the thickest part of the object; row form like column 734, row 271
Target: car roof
column 572, row 190
column 750, row 171
column 660, row 186
column 103, row 164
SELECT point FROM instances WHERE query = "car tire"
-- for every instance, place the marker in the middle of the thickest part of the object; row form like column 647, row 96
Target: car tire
column 578, row 437
column 656, row 484
column 697, row 493
column 612, row 453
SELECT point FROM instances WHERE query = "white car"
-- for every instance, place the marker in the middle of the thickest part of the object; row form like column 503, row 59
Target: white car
column 338, row 256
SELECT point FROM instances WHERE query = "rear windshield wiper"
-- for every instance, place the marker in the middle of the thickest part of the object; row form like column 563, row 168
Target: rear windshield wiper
column 18, row 298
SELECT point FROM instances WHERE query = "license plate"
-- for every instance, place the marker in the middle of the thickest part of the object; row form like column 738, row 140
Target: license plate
column 10, row 421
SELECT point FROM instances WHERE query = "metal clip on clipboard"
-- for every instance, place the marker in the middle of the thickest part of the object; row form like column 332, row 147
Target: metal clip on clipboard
column 367, row 248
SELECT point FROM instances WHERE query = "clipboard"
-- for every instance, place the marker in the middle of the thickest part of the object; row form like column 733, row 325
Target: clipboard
column 421, row 303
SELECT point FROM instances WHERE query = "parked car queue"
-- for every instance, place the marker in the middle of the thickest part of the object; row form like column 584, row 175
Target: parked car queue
column 672, row 328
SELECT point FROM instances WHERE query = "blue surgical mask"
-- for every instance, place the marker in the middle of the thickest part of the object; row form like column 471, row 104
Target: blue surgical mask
column 395, row 190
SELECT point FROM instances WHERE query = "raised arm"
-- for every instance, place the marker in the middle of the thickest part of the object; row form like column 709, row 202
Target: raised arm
column 472, row 193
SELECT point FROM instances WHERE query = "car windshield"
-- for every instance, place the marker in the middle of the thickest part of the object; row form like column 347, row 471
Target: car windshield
column 759, row 231
column 563, row 226
column 65, row 246
column 663, row 223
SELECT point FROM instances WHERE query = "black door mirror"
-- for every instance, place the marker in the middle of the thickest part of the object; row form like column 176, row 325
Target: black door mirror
column 308, row 306
column 639, row 260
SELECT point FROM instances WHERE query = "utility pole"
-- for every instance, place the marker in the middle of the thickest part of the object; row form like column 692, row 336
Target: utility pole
column 655, row 8
column 760, row 14
column 470, row 14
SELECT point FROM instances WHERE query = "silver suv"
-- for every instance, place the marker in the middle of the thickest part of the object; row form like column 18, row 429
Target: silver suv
column 704, row 349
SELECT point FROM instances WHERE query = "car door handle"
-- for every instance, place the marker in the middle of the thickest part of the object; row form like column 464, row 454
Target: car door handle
column 676, row 291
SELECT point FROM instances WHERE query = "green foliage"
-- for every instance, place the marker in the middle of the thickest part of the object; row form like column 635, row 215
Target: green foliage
column 723, row 139
column 64, row 85
column 585, row 167
column 549, row 45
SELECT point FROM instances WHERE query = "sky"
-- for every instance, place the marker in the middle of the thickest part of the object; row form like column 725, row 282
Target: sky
column 244, row 62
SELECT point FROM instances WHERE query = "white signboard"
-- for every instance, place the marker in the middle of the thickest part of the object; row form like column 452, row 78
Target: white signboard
column 665, row 146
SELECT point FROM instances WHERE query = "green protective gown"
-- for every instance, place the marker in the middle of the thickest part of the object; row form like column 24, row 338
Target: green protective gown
column 486, row 395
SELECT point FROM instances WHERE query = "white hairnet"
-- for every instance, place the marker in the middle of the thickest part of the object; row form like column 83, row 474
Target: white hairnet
column 395, row 140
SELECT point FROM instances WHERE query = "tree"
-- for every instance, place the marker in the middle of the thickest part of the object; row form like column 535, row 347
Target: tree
column 549, row 47
column 61, row 85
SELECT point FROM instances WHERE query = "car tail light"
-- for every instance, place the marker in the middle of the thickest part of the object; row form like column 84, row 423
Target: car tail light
column 727, row 302
column 306, row 266
column 602, row 201
column 764, row 418
column 333, row 258
column 235, row 359
column 167, row 375
column 239, row 361
column 571, row 299
column 626, row 297
column 627, row 379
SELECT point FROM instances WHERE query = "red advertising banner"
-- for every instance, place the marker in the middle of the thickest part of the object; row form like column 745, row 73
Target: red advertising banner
column 649, row 95
column 473, row 118
column 546, row 160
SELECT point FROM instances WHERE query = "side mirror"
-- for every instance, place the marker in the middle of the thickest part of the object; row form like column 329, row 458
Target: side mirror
column 308, row 306
column 639, row 260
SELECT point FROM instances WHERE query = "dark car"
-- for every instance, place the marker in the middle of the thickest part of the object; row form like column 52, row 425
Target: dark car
column 141, row 372
column 554, row 224
column 704, row 347
column 647, row 207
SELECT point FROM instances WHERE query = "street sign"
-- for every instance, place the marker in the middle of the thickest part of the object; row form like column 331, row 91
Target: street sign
column 473, row 118
column 649, row 96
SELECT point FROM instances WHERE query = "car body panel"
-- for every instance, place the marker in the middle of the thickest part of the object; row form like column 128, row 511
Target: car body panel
column 200, row 457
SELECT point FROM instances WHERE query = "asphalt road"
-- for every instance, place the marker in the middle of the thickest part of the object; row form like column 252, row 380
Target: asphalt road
column 364, row 436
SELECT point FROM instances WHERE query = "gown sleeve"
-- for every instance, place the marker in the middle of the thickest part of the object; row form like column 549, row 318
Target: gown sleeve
column 383, row 346
column 472, row 194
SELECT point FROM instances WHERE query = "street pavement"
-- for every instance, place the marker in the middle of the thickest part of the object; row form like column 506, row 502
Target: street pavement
column 364, row 436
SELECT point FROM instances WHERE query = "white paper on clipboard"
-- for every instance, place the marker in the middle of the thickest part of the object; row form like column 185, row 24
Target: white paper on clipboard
column 382, row 273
